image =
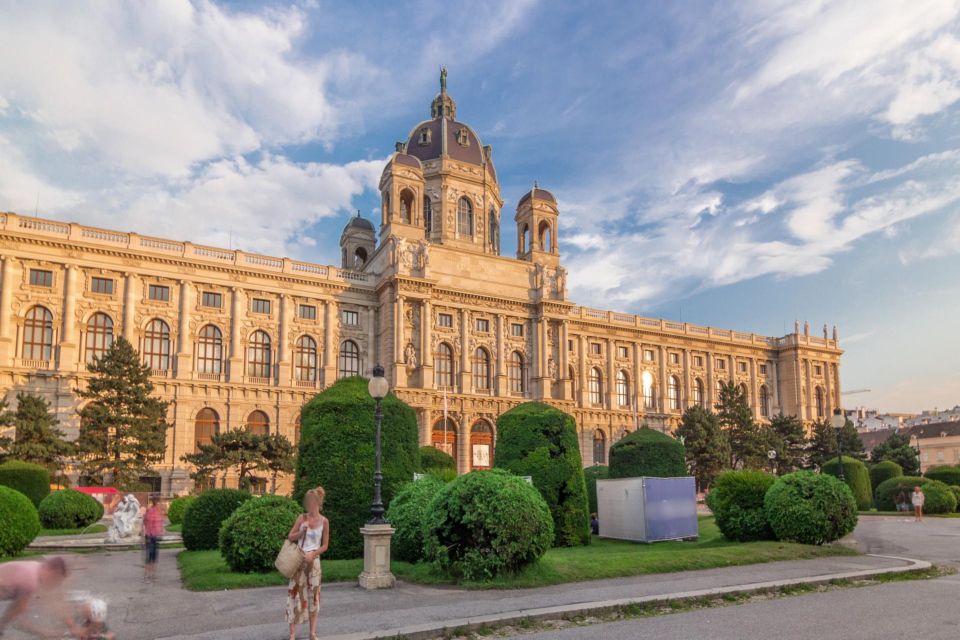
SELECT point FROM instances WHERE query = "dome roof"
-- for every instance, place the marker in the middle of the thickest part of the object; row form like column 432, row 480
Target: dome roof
column 539, row 194
column 356, row 222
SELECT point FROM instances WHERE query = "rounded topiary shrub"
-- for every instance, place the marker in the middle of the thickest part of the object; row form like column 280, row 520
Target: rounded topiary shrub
column 30, row 479
column 69, row 509
column 736, row 500
column 885, row 495
column 21, row 524
column 956, row 494
column 177, row 507
column 938, row 498
column 407, row 513
column 883, row 471
column 650, row 453
column 486, row 523
column 432, row 458
column 337, row 453
column 540, row 441
column 590, row 476
column 857, row 477
column 810, row 508
column 946, row 474
column 251, row 537
column 204, row 516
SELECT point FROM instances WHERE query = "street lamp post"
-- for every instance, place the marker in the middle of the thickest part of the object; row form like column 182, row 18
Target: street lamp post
column 378, row 388
column 837, row 421
column 915, row 441
column 377, row 532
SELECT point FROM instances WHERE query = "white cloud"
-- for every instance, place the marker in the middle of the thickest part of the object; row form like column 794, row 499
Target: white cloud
column 945, row 243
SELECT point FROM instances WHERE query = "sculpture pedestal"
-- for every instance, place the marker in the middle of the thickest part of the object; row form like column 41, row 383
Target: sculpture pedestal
column 376, row 557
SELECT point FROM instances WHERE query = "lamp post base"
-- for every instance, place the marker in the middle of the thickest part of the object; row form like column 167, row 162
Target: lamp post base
column 376, row 557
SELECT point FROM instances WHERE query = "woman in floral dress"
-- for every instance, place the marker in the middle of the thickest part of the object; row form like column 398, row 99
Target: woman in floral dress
column 311, row 532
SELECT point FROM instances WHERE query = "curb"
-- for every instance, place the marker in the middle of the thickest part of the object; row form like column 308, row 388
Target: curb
column 430, row 630
column 51, row 544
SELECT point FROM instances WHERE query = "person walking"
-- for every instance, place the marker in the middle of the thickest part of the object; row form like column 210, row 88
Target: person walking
column 20, row 581
column 311, row 532
column 918, row 498
column 152, row 532
column 902, row 503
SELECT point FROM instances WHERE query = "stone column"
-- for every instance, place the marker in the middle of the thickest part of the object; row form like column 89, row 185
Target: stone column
column 6, row 309
column 68, row 334
column 129, row 308
column 499, row 383
column 709, row 394
column 373, row 353
column 235, row 367
column 185, row 338
column 426, row 346
column 329, row 347
column 564, row 365
column 686, row 392
column 399, row 370
column 662, row 389
column 463, row 445
column 636, row 399
column 284, row 364
column 582, row 344
column 464, row 351
column 754, row 390
column 610, row 390
column 775, row 398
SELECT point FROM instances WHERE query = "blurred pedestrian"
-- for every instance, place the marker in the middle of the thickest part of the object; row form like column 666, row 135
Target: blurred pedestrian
column 903, row 503
column 311, row 532
column 93, row 620
column 152, row 531
column 918, row 498
column 20, row 581
column 594, row 524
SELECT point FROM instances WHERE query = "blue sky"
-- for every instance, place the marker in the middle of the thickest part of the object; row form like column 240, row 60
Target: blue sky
column 736, row 164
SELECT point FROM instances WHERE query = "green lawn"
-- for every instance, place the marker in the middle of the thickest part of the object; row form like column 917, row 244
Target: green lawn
column 175, row 528
column 94, row 528
column 206, row 570
column 908, row 514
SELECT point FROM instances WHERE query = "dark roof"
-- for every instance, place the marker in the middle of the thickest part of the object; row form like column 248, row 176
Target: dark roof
column 935, row 430
column 404, row 158
column 472, row 152
column 538, row 193
column 871, row 439
column 359, row 223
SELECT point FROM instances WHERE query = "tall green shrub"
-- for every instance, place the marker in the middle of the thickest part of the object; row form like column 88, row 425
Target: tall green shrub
column 646, row 452
column 21, row 524
column 857, row 477
column 337, row 453
column 956, row 494
column 736, row 501
column 946, row 474
column 407, row 513
column 69, row 509
column 486, row 523
column 590, row 476
column 178, row 507
column 810, row 508
column 886, row 493
column 205, row 515
column 537, row 440
column 432, row 458
column 938, row 498
column 882, row 471
column 251, row 537
column 30, row 479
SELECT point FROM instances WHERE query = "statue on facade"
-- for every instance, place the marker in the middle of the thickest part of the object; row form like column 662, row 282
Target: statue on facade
column 126, row 519
column 410, row 356
column 552, row 370
column 443, row 79
column 561, row 281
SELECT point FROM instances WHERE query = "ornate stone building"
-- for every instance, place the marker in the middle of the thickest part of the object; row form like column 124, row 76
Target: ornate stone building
column 238, row 339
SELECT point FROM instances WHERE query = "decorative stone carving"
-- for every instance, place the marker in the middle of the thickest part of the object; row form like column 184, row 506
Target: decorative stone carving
column 410, row 356
column 126, row 519
column 552, row 369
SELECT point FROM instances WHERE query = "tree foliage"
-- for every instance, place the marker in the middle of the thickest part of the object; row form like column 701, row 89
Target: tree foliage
column 21, row 524
column 251, row 537
column 736, row 501
column 407, row 513
column 749, row 441
column 39, row 439
column 705, row 443
column 856, row 476
column 882, row 471
column 646, row 452
column 788, row 439
column 123, row 427
column 245, row 451
column 810, row 508
column 205, row 515
column 69, row 509
column 32, row 480
column 897, row 448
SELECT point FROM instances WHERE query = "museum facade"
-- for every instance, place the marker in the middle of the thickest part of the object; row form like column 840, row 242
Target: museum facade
column 236, row 339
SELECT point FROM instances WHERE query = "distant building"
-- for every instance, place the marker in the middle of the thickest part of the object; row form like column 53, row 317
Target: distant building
column 938, row 443
column 935, row 416
column 872, row 420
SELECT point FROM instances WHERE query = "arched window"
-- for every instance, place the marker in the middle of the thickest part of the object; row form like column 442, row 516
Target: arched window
column 595, row 386
column 764, row 401
column 546, row 242
column 818, row 397
column 349, row 359
column 99, row 336
column 156, row 345
column 359, row 258
column 465, row 217
column 444, row 436
column 743, row 391
column 406, row 206
column 623, row 389
column 525, row 240
column 494, row 232
column 305, row 359
column 698, row 392
column 717, row 391
column 258, row 423
column 37, row 334
column 516, row 373
column 205, row 426
column 481, row 370
column 443, row 366
column 673, row 392
column 427, row 215
column 481, row 445
column 649, row 391
column 210, row 350
column 259, row 355
column 599, row 447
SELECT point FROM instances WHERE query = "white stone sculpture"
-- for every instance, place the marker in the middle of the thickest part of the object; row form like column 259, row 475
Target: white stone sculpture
column 126, row 519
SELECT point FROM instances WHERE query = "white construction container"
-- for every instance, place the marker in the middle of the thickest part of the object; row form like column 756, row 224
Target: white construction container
column 647, row 509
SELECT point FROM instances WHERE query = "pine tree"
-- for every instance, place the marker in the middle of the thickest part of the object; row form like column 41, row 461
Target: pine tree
column 123, row 427
column 7, row 421
column 245, row 451
column 39, row 439
column 706, row 444
column 897, row 448
column 850, row 442
column 749, row 441
column 823, row 444
column 789, row 440
column 279, row 456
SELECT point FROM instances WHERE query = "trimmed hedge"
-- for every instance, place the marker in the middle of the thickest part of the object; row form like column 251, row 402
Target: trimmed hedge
column 407, row 513
column 810, row 508
column 649, row 453
column 432, row 458
column 885, row 496
column 537, row 440
column 30, row 479
column 69, row 509
column 590, row 476
column 938, row 498
column 956, row 494
column 337, row 452
column 204, row 516
column 251, row 537
column 486, row 523
column 857, row 477
column 177, row 507
column 736, row 500
column 883, row 471
column 21, row 524
column 945, row 474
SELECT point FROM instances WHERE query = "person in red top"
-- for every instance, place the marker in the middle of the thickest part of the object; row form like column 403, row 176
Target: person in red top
column 152, row 530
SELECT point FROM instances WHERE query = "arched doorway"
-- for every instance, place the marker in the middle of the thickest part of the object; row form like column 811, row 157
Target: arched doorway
column 444, row 436
column 481, row 445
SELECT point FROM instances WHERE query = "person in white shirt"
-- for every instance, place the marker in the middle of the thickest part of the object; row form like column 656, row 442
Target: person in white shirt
column 917, row 499
column 311, row 532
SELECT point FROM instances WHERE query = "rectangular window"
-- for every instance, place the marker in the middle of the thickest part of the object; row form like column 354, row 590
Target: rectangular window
column 210, row 299
column 259, row 305
column 939, row 455
column 516, row 330
column 350, row 318
column 743, row 367
column 159, row 292
column 41, row 278
column 445, row 320
column 674, row 358
column 569, row 345
column 648, row 355
column 307, row 312
column 721, row 365
column 624, row 352
column 763, row 369
column 595, row 348
column 483, row 325
column 698, row 361
column 818, row 370
column 101, row 285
